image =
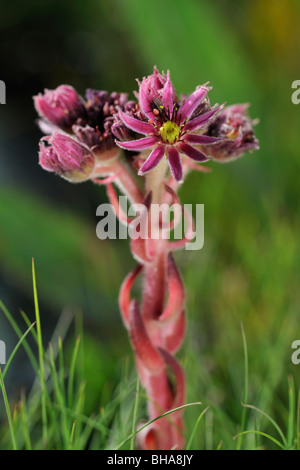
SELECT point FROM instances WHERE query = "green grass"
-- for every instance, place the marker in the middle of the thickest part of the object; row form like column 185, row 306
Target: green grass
column 52, row 415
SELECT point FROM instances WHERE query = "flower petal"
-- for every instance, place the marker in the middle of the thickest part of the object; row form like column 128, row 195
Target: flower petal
column 168, row 97
column 149, row 89
column 175, row 163
column 139, row 144
column 192, row 102
column 199, row 121
column 154, row 158
column 135, row 124
column 203, row 139
column 193, row 153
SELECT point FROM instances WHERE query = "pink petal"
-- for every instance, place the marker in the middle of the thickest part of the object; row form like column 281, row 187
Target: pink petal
column 168, row 97
column 203, row 139
column 175, row 163
column 154, row 158
column 199, row 121
column 139, row 144
column 193, row 153
column 196, row 98
column 149, row 88
column 135, row 124
column 46, row 127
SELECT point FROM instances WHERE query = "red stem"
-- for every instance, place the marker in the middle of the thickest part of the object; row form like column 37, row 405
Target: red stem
column 155, row 284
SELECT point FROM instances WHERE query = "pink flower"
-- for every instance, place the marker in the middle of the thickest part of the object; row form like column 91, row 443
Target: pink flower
column 67, row 157
column 170, row 128
column 60, row 107
column 89, row 120
column 234, row 124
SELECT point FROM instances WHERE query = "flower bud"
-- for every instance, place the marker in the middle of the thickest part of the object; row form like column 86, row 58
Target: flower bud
column 65, row 156
column 60, row 107
column 234, row 125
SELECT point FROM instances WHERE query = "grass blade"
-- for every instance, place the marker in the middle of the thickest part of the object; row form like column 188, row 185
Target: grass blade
column 72, row 436
column 24, row 423
column 60, row 398
column 135, row 413
column 291, row 416
column 298, row 422
column 245, row 399
column 19, row 334
column 72, row 373
column 8, row 413
column 155, row 419
column 189, row 444
column 16, row 349
column 41, row 356
column 260, row 433
column 271, row 420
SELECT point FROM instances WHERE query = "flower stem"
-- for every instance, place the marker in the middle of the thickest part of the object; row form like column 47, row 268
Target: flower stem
column 155, row 285
column 124, row 179
column 155, row 272
column 155, row 179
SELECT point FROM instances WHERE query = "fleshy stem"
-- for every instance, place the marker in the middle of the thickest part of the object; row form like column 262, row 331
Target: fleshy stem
column 155, row 271
column 157, row 328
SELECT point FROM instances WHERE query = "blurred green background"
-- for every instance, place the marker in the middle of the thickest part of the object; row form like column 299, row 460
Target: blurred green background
column 248, row 270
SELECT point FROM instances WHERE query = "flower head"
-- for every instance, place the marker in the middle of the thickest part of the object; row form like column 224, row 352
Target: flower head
column 90, row 121
column 171, row 127
column 65, row 156
column 233, row 124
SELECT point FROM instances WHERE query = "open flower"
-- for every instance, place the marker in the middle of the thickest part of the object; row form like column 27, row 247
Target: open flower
column 171, row 128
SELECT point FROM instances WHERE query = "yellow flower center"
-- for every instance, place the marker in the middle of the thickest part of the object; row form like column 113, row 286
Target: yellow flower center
column 169, row 132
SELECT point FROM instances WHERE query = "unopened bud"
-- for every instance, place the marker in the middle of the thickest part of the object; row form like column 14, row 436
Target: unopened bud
column 65, row 156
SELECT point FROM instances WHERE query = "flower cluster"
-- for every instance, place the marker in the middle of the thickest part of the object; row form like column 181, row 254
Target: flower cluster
column 80, row 130
column 87, row 131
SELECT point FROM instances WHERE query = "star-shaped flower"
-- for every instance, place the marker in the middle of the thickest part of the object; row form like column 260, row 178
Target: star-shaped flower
column 171, row 127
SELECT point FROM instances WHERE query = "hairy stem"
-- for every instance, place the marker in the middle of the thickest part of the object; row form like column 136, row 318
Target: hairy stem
column 124, row 179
